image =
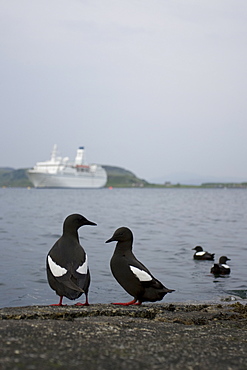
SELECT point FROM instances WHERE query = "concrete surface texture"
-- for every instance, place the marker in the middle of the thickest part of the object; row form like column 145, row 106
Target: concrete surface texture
column 151, row 336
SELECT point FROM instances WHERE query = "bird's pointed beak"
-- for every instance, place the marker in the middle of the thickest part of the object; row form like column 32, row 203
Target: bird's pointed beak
column 109, row 240
column 91, row 223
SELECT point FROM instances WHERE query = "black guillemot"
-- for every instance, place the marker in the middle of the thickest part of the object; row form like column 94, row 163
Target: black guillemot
column 200, row 254
column 221, row 268
column 131, row 274
column 66, row 263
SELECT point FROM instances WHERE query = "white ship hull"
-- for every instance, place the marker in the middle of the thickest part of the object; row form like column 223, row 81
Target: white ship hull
column 42, row 180
column 59, row 174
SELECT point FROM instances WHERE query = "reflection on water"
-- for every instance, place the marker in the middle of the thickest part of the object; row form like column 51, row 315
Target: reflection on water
column 167, row 224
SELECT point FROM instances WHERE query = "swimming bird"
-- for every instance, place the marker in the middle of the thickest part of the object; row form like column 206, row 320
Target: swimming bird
column 66, row 263
column 131, row 274
column 221, row 268
column 200, row 254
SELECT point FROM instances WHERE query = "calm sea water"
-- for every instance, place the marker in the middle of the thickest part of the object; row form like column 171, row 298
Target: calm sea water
column 167, row 224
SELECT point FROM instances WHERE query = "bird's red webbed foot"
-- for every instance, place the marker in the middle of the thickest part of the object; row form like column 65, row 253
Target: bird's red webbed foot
column 82, row 304
column 135, row 302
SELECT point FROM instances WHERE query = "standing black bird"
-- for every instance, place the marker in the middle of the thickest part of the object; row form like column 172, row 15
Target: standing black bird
column 131, row 274
column 200, row 254
column 66, row 263
column 221, row 268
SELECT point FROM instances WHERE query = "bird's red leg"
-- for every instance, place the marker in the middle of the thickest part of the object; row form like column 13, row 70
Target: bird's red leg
column 135, row 302
column 138, row 303
column 83, row 304
column 60, row 302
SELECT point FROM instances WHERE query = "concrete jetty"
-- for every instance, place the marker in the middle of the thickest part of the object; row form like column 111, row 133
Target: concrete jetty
column 101, row 336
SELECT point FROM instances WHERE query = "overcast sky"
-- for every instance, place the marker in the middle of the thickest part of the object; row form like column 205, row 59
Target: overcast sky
column 157, row 87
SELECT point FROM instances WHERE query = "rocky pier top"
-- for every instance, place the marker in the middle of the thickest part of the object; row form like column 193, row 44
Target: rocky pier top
column 101, row 336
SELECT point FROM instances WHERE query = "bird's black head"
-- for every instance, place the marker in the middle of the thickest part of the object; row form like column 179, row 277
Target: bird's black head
column 198, row 248
column 223, row 259
column 123, row 234
column 75, row 221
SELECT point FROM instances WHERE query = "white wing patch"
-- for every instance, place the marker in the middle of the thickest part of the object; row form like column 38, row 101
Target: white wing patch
column 83, row 268
column 226, row 266
column 141, row 274
column 56, row 270
column 200, row 253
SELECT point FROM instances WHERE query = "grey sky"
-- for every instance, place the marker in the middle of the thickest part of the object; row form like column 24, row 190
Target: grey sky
column 157, row 87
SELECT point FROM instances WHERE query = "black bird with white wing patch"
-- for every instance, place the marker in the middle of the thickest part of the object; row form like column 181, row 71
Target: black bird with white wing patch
column 131, row 274
column 200, row 254
column 66, row 264
column 221, row 268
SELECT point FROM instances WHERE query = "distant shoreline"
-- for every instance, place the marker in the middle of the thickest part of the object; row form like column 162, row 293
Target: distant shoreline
column 117, row 178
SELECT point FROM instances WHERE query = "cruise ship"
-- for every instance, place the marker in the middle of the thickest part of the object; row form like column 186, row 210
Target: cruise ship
column 59, row 172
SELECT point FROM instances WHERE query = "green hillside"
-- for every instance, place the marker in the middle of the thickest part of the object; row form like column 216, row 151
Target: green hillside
column 13, row 178
column 119, row 177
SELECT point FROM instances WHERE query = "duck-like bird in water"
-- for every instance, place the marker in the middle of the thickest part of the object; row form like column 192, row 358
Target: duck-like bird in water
column 66, row 263
column 200, row 254
column 221, row 268
column 131, row 274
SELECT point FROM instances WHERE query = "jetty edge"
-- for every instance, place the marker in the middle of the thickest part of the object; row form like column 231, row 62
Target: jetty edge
column 102, row 336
